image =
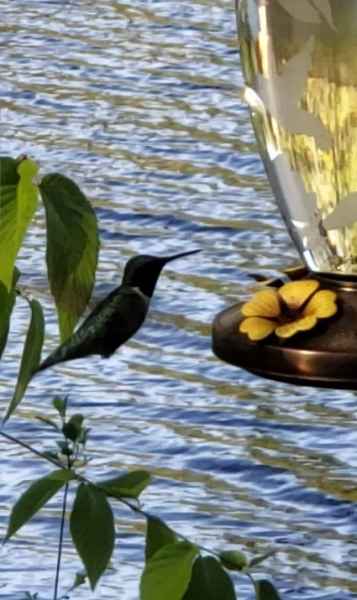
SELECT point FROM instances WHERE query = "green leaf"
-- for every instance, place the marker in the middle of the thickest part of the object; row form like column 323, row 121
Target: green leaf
column 60, row 404
column 18, row 203
column 9, row 179
column 129, row 485
column 73, row 428
column 64, row 448
column 27, row 197
column 167, row 574
column 7, row 302
column 158, row 535
column 264, row 590
column 72, row 248
column 31, row 355
column 92, row 530
column 8, row 172
column 51, row 455
column 233, row 560
column 79, row 580
column 209, row 581
column 35, row 498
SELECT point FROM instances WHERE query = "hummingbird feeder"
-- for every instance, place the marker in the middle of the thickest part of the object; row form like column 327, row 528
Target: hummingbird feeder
column 299, row 59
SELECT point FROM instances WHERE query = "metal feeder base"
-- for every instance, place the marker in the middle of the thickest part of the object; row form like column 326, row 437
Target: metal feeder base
column 326, row 356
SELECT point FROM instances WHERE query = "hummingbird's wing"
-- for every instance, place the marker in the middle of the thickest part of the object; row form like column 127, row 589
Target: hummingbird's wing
column 112, row 322
column 116, row 319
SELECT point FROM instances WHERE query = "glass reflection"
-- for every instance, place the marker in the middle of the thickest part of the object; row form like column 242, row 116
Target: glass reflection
column 300, row 64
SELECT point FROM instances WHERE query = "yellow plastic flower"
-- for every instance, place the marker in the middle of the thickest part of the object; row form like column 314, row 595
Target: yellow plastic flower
column 296, row 306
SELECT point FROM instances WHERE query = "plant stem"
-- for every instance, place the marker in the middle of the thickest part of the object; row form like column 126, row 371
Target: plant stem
column 59, row 465
column 124, row 501
column 31, row 449
column 251, row 579
column 60, row 542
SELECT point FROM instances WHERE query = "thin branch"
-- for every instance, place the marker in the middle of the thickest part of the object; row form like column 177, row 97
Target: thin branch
column 59, row 465
column 60, row 542
column 251, row 578
column 31, row 449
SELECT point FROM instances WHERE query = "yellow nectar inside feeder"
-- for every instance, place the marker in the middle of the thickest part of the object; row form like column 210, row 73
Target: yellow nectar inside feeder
column 300, row 66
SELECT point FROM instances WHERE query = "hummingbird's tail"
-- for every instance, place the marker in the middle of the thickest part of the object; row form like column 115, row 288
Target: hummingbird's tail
column 50, row 361
column 67, row 351
column 73, row 348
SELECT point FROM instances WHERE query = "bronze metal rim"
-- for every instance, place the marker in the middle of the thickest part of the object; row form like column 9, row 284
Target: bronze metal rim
column 323, row 357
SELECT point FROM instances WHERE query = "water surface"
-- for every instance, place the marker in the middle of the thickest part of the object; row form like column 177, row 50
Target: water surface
column 140, row 103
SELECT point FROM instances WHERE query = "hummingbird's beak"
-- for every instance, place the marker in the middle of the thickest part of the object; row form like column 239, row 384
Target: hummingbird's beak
column 167, row 259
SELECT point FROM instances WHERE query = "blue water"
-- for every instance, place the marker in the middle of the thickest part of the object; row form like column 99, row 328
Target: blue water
column 140, row 103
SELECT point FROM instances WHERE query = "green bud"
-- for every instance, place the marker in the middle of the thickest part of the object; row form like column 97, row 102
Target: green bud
column 233, row 560
column 60, row 404
column 72, row 430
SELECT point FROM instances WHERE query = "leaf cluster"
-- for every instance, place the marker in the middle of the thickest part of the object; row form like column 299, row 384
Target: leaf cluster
column 175, row 567
column 71, row 254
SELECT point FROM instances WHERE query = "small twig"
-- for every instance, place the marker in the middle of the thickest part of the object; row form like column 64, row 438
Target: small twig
column 31, row 449
column 64, row 504
column 251, row 578
column 60, row 542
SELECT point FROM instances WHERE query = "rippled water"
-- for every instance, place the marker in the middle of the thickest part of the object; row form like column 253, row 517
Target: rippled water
column 140, row 103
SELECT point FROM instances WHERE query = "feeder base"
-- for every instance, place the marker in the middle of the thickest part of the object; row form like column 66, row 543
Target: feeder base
column 323, row 357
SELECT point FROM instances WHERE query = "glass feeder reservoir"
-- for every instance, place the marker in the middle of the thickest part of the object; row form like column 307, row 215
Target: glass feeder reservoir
column 300, row 64
column 299, row 59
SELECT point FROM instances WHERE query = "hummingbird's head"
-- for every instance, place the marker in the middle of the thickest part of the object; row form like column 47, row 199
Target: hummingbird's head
column 143, row 271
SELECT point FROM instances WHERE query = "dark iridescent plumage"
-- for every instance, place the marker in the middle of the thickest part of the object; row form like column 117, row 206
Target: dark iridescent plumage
column 118, row 317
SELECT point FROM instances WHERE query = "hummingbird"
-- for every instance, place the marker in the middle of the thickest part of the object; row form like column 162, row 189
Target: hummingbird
column 119, row 316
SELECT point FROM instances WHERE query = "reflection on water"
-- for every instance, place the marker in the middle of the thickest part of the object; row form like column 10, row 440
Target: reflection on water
column 300, row 65
column 141, row 104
